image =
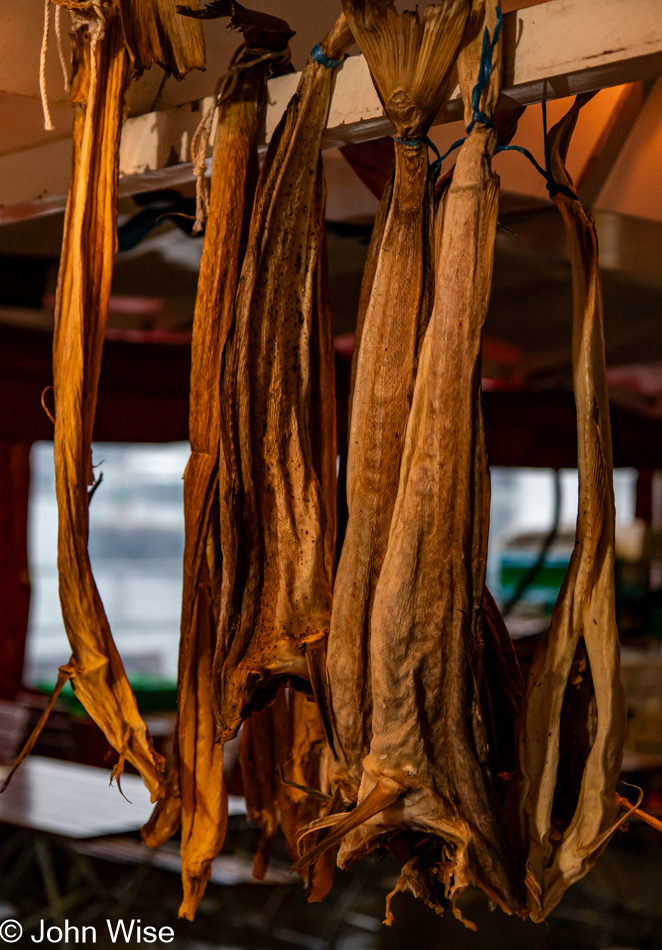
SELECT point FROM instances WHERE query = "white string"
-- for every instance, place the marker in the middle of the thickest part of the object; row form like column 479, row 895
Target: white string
column 202, row 135
column 199, row 146
column 48, row 124
column 60, row 50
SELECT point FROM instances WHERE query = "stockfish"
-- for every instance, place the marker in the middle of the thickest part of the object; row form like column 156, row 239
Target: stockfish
column 410, row 58
column 428, row 790
column 277, row 508
column 196, row 793
column 572, row 724
column 102, row 64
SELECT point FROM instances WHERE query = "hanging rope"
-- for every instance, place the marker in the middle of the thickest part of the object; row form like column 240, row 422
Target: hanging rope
column 553, row 187
column 48, row 123
column 202, row 135
column 60, row 50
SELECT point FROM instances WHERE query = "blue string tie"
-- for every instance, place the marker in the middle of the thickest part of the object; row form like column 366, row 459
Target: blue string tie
column 319, row 57
column 553, row 187
column 435, row 168
column 484, row 71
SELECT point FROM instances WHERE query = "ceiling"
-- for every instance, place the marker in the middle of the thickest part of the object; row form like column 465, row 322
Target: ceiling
column 528, row 328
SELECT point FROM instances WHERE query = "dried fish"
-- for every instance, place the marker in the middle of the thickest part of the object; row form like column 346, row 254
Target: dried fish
column 101, row 73
column 284, row 765
column 155, row 33
column 572, row 726
column 196, row 793
column 264, row 746
column 410, row 59
column 88, row 251
column 275, row 517
column 428, row 790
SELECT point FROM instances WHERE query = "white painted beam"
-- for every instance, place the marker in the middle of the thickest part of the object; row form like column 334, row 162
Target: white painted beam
column 553, row 50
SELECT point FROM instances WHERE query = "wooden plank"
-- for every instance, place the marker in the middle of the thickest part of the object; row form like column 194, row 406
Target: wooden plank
column 552, row 50
column 602, row 159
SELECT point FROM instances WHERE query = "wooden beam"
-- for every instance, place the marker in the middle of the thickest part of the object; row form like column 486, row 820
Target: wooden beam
column 606, row 150
column 552, row 50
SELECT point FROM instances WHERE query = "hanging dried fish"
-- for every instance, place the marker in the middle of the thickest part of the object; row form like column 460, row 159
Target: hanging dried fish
column 102, row 67
column 572, row 725
column 410, row 59
column 155, row 33
column 289, row 732
column 196, row 792
column 284, row 765
column 428, row 790
column 275, row 514
column 95, row 669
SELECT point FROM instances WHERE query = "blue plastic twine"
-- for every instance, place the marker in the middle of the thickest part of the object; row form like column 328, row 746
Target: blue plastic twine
column 553, row 187
column 484, row 71
column 319, row 57
column 435, row 168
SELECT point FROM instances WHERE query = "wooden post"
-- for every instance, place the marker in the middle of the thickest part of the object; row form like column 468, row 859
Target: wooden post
column 14, row 574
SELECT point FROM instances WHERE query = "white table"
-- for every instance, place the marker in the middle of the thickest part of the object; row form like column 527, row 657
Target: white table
column 76, row 801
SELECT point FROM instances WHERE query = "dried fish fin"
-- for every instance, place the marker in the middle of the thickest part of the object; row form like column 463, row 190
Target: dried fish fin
column 246, row 21
column 64, row 675
column 560, row 853
column 410, row 56
column 155, row 32
column 98, row 678
column 377, row 800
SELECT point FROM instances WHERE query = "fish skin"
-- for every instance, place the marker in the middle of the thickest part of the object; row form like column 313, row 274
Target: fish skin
column 276, row 588
column 84, row 280
column 410, row 59
column 429, row 768
column 561, row 849
column 196, row 795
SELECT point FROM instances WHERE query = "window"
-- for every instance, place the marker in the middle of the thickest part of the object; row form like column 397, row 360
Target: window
column 136, row 545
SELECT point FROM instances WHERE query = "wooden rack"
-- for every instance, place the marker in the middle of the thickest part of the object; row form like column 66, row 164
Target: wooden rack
column 553, row 50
